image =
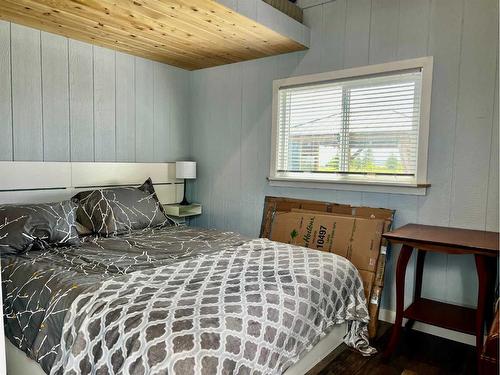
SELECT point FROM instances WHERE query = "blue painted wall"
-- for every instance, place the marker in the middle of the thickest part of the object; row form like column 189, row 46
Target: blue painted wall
column 63, row 100
column 231, row 123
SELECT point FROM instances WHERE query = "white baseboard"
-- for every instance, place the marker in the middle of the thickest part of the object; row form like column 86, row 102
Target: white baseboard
column 389, row 316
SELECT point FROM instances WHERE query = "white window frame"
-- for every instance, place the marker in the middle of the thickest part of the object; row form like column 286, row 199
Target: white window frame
column 417, row 186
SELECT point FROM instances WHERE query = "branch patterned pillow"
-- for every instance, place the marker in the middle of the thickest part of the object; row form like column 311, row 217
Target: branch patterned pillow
column 37, row 226
column 120, row 210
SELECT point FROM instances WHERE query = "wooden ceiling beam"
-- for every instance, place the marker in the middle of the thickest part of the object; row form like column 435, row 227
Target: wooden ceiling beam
column 204, row 20
column 106, row 16
column 199, row 32
column 97, row 31
column 191, row 34
column 48, row 26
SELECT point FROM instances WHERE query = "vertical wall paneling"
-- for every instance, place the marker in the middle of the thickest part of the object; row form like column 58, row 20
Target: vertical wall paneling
column 334, row 23
column 474, row 113
column 125, row 108
column 389, row 40
column 256, row 96
column 413, row 30
column 310, row 61
column 73, row 101
column 444, row 45
column 493, row 204
column 55, row 89
column 180, row 110
column 5, row 93
column 227, row 125
column 373, row 31
column 473, row 132
column 445, row 34
column 357, row 33
column 104, row 104
column 26, row 93
column 144, row 113
column 384, row 31
column 162, row 97
column 81, row 103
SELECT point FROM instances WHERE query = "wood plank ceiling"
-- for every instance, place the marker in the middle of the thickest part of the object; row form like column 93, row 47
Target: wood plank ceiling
column 190, row 34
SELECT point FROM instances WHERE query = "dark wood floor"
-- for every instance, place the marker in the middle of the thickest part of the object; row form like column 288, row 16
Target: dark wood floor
column 418, row 353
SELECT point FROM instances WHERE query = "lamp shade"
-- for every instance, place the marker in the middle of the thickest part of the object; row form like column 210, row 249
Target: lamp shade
column 185, row 169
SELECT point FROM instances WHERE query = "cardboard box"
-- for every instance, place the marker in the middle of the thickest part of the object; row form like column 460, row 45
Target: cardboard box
column 373, row 310
column 374, row 213
column 353, row 238
column 365, row 243
column 274, row 204
column 368, row 279
column 380, row 272
column 320, row 232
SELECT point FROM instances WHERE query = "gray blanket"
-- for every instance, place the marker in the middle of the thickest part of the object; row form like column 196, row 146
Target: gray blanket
column 178, row 300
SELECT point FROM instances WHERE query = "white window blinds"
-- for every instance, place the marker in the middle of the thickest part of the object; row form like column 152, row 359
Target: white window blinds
column 366, row 126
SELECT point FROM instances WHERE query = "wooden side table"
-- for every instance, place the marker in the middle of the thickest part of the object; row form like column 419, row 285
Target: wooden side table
column 483, row 245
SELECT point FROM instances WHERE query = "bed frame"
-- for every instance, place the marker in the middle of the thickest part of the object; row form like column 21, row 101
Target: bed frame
column 41, row 182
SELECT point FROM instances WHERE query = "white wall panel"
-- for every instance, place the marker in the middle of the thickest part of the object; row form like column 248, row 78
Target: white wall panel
column 334, row 23
column 180, row 111
column 444, row 44
column 384, row 24
column 125, row 107
column 144, row 112
column 471, row 166
column 26, row 93
column 162, row 96
column 104, row 104
column 357, row 33
column 474, row 113
column 492, row 206
column 55, row 90
column 81, row 103
column 413, row 32
column 5, row 93
column 311, row 60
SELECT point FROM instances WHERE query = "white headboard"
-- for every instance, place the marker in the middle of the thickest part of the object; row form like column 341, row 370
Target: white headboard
column 38, row 182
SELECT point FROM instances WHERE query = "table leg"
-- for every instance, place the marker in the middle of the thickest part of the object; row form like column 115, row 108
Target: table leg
column 484, row 279
column 418, row 281
column 404, row 257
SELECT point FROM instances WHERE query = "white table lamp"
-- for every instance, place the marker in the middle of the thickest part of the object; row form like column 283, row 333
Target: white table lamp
column 185, row 170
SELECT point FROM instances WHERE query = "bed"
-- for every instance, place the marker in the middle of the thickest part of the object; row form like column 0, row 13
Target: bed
column 176, row 299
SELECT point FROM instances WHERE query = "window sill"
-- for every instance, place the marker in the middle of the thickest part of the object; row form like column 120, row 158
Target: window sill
column 363, row 186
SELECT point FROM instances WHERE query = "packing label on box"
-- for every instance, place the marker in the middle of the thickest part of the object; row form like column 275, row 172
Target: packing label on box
column 354, row 238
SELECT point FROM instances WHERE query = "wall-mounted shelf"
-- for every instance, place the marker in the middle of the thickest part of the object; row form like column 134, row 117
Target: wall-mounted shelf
column 179, row 210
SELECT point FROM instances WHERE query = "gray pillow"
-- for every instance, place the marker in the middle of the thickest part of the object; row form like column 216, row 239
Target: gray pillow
column 119, row 210
column 37, row 226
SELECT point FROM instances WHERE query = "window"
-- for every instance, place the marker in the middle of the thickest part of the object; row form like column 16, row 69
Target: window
column 365, row 125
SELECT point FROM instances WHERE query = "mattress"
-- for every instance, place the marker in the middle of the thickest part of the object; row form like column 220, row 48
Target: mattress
column 178, row 300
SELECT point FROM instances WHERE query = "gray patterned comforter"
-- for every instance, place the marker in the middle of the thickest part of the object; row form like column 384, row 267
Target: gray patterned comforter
column 178, row 300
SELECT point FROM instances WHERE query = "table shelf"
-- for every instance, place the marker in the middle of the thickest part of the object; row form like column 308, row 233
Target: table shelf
column 457, row 318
